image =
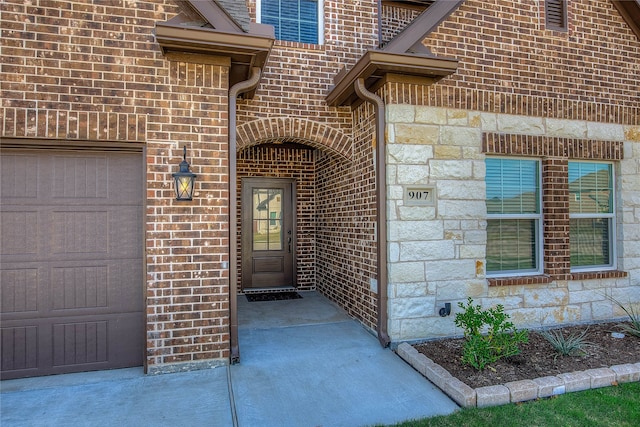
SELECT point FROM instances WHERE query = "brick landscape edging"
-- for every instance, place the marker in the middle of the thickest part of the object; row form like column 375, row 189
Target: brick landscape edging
column 516, row 391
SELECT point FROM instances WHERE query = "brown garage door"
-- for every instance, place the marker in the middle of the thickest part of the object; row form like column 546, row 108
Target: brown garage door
column 71, row 265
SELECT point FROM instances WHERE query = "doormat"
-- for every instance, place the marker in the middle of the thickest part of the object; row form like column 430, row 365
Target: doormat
column 272, row 296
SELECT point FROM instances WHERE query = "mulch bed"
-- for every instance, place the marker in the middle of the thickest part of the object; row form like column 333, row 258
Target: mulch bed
column 538, row 357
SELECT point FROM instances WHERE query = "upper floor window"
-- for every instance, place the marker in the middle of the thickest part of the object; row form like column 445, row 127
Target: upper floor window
column 556, row 14
column 294, row 20
column 591, row 216
column 514, row 218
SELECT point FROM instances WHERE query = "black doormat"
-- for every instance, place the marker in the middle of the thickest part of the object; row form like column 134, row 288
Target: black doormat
column 272, row 296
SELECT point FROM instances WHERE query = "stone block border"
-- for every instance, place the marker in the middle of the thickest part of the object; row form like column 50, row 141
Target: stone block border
column 516, row 391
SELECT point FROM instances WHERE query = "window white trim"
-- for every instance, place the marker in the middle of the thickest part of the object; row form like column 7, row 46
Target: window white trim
column 539, row 229
column 320, row 21
column 611, row 216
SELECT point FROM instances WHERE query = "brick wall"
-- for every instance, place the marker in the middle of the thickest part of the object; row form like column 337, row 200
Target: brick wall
column 91, row 73
column 286, row 162
column 513, row 52
column 394, row 19
column 346, row 222
column 76, row 70
column 510, row 63
column 296, row 80
column 298, row 75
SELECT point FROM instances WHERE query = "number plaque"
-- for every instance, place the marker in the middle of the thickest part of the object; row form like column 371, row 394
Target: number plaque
column 419, row 196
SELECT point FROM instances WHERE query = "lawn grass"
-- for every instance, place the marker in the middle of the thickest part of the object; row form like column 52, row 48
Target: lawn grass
column 617, row 406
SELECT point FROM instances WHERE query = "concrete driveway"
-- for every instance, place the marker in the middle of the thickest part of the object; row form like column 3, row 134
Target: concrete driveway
column 303, row 363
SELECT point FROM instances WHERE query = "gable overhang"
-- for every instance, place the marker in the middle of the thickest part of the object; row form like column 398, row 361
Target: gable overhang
column 216, row 15
column 410, row 39
column 375, row 65
column 630, row 11
column 244, row 50
column 404, row 55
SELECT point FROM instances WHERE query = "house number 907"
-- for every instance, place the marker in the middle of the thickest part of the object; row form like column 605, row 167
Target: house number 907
column 418, row 196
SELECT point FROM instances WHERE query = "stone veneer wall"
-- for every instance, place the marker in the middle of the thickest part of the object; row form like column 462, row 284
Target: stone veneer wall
column 519, row 89
column 437, row 253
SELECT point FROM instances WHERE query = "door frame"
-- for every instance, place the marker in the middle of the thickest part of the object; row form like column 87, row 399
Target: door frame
column 245, row 215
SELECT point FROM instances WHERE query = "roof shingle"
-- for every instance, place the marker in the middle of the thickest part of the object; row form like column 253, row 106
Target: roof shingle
column 238, row 11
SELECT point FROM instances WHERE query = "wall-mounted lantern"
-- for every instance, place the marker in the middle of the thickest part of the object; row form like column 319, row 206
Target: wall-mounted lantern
column 184, row 179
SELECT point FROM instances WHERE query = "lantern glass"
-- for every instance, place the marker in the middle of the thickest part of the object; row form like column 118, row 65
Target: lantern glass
column 184, row 187
column 184, row 180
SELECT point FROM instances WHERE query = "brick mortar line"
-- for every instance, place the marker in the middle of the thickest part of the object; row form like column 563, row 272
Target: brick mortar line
column 516, row 391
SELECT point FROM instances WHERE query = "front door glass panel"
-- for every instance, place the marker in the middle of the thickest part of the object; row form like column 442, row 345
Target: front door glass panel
column 267, row 219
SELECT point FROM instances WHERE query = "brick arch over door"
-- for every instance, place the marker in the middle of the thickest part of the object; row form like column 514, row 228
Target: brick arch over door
column 291, row 129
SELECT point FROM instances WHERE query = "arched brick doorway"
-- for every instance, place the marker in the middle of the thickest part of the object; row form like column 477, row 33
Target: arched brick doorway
column 335, row 209
column 297, row 150
column 295, row 130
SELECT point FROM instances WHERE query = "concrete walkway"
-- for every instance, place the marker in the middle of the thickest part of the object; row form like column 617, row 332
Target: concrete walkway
column 303, row 363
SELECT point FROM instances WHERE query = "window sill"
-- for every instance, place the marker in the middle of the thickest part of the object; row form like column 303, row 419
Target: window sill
column 608, row 274
column 544, row 279
column 519, row 280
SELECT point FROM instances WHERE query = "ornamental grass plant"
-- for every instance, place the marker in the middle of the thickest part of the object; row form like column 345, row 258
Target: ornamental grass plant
column 573, row 345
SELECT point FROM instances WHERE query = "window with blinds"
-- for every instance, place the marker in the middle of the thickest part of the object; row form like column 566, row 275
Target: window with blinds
column 513, row 217
column 556, row 14
column 591, row 213
column 293, row 20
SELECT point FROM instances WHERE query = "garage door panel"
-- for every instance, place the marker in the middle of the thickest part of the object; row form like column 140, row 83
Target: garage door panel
column 19, row 348
column 126, row 238
column 80, row 233
column 36, row 290
column 71, row 179
column 55, row 233
column 97, row 288
column 71, row 271
column 125, row 180
column 98, row 179
column 80, row 343
column 88, row 343
column 79, row 287
column 93, row 233
column 122, row 296
column 80, row 177
column 19, row 230
column 126, row 339
column 18, row 176
column 19, row 290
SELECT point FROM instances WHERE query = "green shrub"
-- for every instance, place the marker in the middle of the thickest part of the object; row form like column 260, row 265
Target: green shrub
column 573, row 345
column 501, row 340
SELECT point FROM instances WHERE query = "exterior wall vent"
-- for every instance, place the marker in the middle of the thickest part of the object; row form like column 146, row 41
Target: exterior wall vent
column 556, row 14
